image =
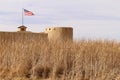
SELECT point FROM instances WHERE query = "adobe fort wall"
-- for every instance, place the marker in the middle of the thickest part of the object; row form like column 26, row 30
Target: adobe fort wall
column 50, row 34
column 23, row 36
column 60, row 33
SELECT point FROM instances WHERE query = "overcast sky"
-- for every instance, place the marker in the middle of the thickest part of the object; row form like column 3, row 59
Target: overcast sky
column 90, row 19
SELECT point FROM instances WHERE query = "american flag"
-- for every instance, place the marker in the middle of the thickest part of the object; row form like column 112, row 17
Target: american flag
column 28, row 13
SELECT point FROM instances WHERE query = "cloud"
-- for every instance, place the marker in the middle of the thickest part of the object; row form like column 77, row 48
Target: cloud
column 90, row 18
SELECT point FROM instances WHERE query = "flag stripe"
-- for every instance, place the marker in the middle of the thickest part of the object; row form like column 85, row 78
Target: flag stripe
column 28, row 13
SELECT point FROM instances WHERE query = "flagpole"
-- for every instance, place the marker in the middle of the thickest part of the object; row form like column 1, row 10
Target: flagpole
column 22, row 16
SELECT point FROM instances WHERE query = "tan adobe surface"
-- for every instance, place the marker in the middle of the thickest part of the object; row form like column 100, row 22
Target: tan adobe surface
column 51, row 34
column 60, row 33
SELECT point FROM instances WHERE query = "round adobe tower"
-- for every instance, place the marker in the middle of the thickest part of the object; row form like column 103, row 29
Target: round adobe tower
column 59, row 33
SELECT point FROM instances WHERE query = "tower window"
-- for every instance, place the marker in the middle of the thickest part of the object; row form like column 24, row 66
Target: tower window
column 22, row 29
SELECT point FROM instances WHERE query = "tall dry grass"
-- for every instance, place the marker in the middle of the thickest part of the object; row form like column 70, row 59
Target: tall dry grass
column 27, row 59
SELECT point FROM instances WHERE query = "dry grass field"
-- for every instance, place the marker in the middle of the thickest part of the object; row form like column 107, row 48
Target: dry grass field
column 40, row 60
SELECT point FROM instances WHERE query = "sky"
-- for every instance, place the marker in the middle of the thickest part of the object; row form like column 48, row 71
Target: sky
column 90, row 19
